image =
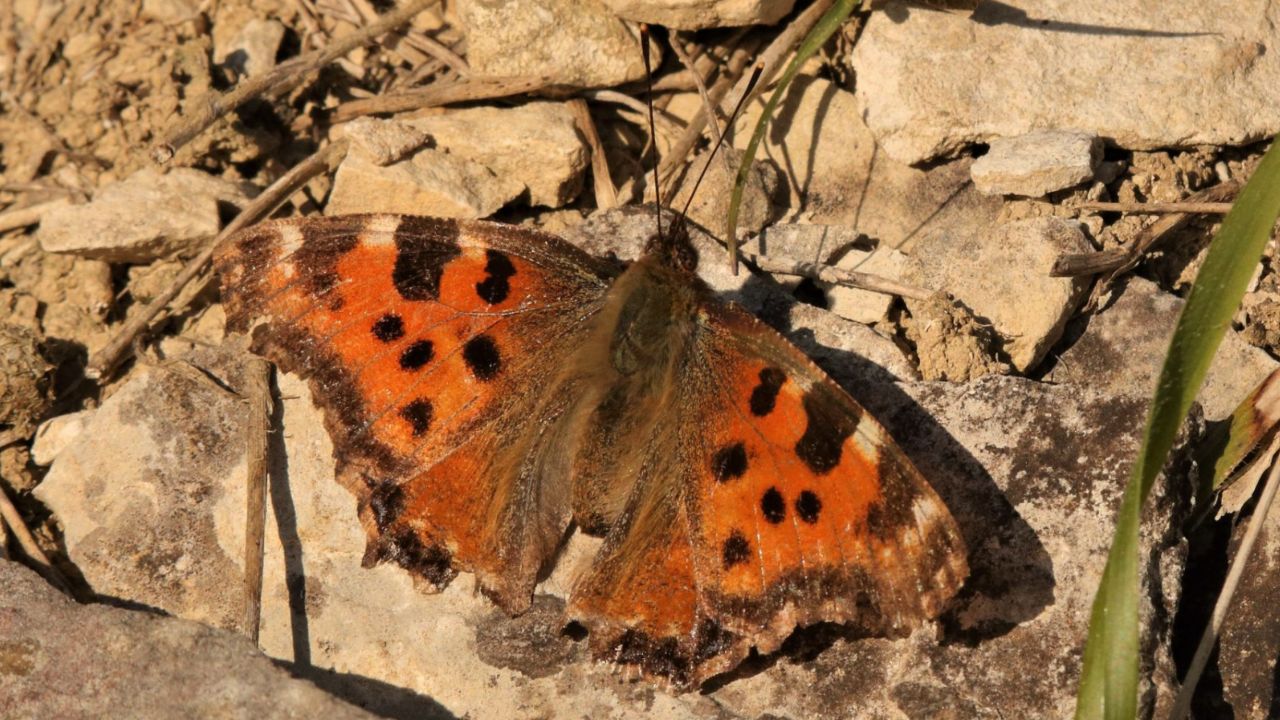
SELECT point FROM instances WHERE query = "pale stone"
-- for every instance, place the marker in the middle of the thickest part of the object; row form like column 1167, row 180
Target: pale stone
column 1181, row 75
column 146, row 216
column 710, row 206
column 570, row 42
column 56, row 433
column 431, row 182
column 384, row 141
column 536, row 144
column 253, row 50
column 1036, row 164
column 1002, row 275
column 699, row 14
column 837, row 175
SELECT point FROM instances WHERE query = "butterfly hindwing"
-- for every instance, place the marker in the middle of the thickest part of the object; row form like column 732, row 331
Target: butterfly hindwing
column 432, row 346
column 769, row 501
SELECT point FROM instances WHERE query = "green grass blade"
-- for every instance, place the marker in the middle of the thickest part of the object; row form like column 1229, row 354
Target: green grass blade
column 1109, row 679
column 812, row 42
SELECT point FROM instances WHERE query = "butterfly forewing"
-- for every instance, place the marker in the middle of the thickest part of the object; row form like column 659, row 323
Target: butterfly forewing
column 432, row 345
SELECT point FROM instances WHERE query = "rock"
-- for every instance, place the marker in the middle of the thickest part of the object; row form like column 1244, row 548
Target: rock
column 146, row 216
column 699, row 14
column 710, row 207
column 570, row 42
column 431, row 182
column 56, row 433
column 253, row 50
column 384, row 141
column 169, row 12
column 1251, row 633
column 1036, row 164
column 1003, row 277
column 536, row 144
column 837, row 175
column 1033, row 473
column 1217, row 83
column 26, row 390
column 1122, row 347
column 60, row 659
column 950, row 343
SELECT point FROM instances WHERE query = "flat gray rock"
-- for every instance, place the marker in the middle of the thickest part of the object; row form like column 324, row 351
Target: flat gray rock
column 1036, row 164
column 699, row 14
column 63, row 660
column 1179, row 75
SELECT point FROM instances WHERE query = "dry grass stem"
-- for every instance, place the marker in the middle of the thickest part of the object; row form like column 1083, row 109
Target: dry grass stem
column 257, row 393
column 10, row 516
column 1156, row 208
column 602, row 181
column 845, row 278
column 441, row 93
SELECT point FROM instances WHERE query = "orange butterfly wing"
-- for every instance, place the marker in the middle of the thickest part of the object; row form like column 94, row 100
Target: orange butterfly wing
column 773, row 502
column 432, row 346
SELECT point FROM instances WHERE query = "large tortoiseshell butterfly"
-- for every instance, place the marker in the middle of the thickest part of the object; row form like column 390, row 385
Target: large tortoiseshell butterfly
column 486, row 386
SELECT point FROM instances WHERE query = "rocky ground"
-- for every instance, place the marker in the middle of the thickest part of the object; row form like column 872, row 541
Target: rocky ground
column 945, row 151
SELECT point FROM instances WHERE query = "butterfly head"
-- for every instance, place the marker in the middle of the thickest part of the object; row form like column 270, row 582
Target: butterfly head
column 673, row 247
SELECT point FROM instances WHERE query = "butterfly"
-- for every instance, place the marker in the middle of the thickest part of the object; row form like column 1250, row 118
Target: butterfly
column 489, row 387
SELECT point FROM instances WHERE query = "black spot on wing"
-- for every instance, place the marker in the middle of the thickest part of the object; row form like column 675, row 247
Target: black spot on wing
column 735, row 550
column 808, row 506
column 496, row 285
column 418, row 414
column 827, row 426
column 417, row 355
column 389, row 328
column 765, row 395
column 482, row 357
column 729, row 462
column 423, row 247
column 773, row 506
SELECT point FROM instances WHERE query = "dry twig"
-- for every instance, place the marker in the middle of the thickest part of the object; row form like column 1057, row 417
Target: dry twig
column 437, row 94
column 606, row 193
column 10, row 516
column 1210, row 208
column 279, row 79
column 323, row 160
column 845, row 278
column 257, row 393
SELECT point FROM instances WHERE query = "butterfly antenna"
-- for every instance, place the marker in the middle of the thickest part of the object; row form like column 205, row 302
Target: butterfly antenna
column 733, row 117
column 653, row 128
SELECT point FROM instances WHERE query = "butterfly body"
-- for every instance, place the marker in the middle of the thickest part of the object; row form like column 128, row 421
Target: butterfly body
column 488, row 387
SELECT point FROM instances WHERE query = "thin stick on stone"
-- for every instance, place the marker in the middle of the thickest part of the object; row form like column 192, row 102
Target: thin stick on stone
column 10, row 516
column 772, row 60
column 1118, row 261
column 437, row 94
column 602, row 181
column 845, row 278
column 1210, row 208
column 322, row 161
column 1182, row 704
column 279, row 79
column 30, row 215
column 257, row 392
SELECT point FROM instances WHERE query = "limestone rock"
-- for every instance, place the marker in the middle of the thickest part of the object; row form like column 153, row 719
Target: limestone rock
column 536, row 144
column 59, row 659
column 699, row 14
column 431, row 182
column 55, row 434
column 384, row 141
column 1003, row 277
column 1122, row 347
column 146, row 216
column 253, row 50
column 837, row 175
column 710, row 207
column 1036, row 164
column 570, row 42
column 1211, row 69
